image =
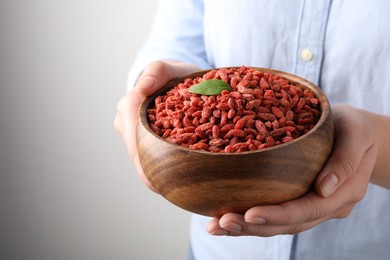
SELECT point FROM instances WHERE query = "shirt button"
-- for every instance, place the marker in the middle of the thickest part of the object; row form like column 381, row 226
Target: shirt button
column 306, row 54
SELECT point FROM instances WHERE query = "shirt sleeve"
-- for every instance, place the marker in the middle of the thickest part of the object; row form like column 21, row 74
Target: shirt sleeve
column 176, row 34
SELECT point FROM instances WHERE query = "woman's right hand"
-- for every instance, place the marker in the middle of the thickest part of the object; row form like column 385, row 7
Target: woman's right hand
column 153, row 78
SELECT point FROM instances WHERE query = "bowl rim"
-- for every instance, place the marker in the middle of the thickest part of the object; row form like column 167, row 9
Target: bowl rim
column 325, row 108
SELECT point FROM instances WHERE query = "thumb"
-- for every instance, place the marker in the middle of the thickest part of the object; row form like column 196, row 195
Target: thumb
column 348, row 151
column 341, row 166
column 158, row 73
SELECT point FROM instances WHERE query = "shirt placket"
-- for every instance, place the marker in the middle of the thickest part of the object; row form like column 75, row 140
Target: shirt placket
column 309, row 54
column 310, row 39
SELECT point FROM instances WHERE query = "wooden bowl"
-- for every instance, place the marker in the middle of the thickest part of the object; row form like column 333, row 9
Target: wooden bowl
column 212, row 184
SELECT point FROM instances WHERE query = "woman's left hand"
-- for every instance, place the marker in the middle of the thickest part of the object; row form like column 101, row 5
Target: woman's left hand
column 341, row 184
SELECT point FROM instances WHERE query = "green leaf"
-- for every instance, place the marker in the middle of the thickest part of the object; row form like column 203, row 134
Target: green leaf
column 210, row 87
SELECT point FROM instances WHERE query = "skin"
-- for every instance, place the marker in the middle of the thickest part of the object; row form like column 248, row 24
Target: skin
column 361, row 155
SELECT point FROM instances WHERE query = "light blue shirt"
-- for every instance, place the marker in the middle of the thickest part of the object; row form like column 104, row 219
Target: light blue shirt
column 343, row 46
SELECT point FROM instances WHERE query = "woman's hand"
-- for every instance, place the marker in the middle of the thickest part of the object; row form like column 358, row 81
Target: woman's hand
column 342, row 183
column 152, row 79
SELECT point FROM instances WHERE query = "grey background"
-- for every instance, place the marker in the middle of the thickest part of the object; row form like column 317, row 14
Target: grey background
column 67, row 188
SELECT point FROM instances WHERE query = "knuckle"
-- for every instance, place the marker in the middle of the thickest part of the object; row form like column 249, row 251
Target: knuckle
column 156, row 65
column 294, row 229
column 156, row 68
column 345, row 212
column 154, row 76
column 258, row 231
column 283, row 217
column 357, row 195
column 316, row 212
column 347, row 168
column 313, row 211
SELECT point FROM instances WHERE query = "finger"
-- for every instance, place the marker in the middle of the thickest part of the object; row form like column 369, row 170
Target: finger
column 232, row 224
column 141, row 173
column 225, row 225
column 347, row 153
column 135, row 159
column 118, row 125
column 127, row 119
column 213, row 228
column 266, row 230
column 309, row 208
column 155, row 76
column 158, row 73
column 125, row 122
column 228, row 225
column 358, row 183
column 270, row 230
column 312, row 206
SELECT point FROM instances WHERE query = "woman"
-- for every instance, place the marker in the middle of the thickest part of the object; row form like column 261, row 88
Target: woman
column 343, row 46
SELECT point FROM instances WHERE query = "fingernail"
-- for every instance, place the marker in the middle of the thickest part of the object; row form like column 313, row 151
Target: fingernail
column 329, row 184
column 256, row 220
column 219, row 232
column 233, row 227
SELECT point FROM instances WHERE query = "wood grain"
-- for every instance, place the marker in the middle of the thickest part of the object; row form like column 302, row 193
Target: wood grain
column 212, row 184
